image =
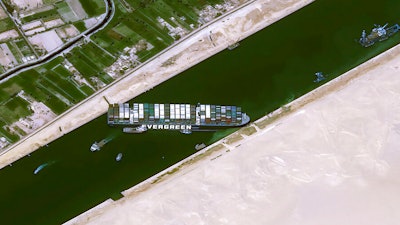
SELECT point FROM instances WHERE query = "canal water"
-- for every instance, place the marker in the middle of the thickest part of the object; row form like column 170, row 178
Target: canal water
column 267, row 70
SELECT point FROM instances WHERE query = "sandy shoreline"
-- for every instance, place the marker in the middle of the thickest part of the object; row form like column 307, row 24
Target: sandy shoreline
column 343, row 170
column 225, row 31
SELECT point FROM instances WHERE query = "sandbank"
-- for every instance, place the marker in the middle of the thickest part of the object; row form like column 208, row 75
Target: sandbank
column 330, row 157
column 212, row 38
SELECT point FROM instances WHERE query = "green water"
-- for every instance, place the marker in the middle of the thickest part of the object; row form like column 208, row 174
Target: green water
column 266, row 71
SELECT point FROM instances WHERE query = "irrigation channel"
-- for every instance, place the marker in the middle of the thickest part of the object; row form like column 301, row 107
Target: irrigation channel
column 46, row 58
column 267, row 70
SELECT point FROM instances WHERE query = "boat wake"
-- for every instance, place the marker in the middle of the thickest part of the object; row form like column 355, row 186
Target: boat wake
column 39, row 168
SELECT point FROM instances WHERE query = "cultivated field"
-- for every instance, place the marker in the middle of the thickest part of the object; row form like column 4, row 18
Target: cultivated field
column 138, row 31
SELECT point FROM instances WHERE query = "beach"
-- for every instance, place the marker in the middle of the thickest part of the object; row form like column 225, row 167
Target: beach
column 329, row 157
column 212, row 38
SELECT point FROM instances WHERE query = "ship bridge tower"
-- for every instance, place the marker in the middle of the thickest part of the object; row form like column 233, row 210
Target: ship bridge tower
column 381, row 31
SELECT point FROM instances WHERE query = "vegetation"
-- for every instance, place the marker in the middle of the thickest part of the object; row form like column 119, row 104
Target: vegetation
column 14, row 50
column 13, row 109
column 135, row 23
column 23, row 47
column 6, row 24
column 129, row 26
column 52, row 13
column 48, row 2
column 65, row 12
column 80, row 25
column 93, row 7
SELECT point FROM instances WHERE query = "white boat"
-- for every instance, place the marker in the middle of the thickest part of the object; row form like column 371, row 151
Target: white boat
column 135, row 130
column 96, row 146
column 39, row 168
column 200, row 146
column 233, row 46
column 119, row 157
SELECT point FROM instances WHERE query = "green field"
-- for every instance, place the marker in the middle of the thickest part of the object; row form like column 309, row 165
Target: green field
column 62, row 71
column 65, row 12
column 23, row 47
column 93, row 7
column 80, row 25
column 90, row 60
column 13, row 109
column 6, row 24
column 50, row 83
column 46, row 15
column 5, row 133
column 133, row 23
column 14, row 50
column 48, row 2
column 127, row 28
column 97, row 55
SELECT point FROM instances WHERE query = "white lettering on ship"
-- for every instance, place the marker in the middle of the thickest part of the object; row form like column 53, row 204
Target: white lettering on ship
column 168, row 127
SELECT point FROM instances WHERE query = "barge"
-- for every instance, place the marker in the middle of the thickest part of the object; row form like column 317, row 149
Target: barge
column 141, row 117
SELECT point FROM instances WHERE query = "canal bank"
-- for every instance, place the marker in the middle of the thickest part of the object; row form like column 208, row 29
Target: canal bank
column 209, row 40
column 350, row 146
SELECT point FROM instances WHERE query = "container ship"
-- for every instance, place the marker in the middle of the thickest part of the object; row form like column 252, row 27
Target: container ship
column 378, row 33
column 140, row 117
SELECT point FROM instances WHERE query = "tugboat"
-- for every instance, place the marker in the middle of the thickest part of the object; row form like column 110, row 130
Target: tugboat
column 320, row 77
column 199, row 146
column 96, row 146
column 135, row 130
column 378, row 33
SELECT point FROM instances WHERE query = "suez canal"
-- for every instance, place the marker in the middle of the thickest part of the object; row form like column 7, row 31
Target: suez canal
column 267, row 70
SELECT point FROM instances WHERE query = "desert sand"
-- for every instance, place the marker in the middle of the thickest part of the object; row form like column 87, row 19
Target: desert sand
column 212, row 38
column 330, row 157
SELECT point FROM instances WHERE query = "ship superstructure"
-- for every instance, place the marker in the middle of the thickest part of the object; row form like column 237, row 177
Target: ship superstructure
column 140, row 117
column 378, row 33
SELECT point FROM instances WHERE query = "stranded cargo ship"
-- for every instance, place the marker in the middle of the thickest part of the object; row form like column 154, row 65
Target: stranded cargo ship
column 140, row 117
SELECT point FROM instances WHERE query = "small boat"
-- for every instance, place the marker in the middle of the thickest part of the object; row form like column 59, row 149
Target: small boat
column 186, row 131
column 39, row 168
column 96, row 146
column 234, row 45
column 200, row 146
column 119, row 157
column 135, row 130
column 320, row 77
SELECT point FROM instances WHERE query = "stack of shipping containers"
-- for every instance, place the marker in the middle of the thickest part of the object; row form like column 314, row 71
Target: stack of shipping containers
column 145, row 113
